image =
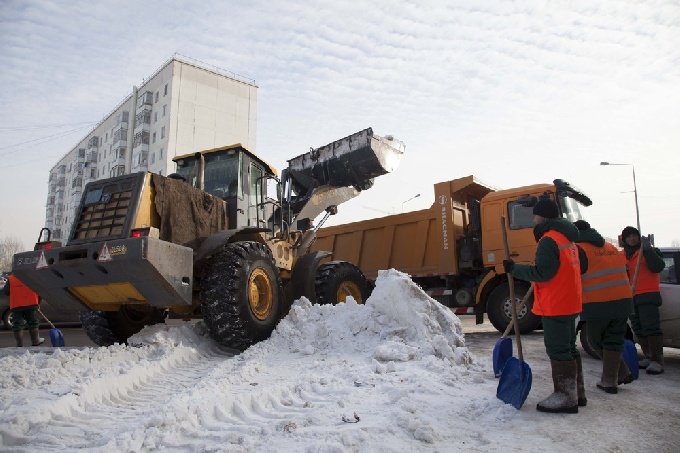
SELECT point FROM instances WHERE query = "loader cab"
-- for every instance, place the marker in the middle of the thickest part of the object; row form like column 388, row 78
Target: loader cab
column 247, row 183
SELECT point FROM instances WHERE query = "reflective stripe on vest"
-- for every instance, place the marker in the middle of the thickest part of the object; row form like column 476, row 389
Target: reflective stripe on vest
column 561, row 295
column 20, row 295
column 606, row 279
column 647, row 281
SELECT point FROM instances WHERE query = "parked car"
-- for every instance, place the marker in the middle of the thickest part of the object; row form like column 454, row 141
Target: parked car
column 670, row 308
column 58, row 317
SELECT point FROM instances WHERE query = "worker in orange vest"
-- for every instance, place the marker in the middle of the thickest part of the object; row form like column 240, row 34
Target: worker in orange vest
column 645, row 320
column 556, row 274
column 607, row 303
column 24, row 305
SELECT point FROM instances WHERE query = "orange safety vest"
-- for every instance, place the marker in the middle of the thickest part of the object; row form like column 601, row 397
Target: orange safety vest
column 20, row 295
column 561, row 295
column 647, row 281
column 606, row 279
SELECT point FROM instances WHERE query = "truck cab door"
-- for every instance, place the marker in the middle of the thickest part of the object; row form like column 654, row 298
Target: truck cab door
column 256, row 206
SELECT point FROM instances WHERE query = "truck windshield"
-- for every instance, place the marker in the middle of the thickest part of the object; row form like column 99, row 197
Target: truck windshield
column 221, row 177
column 571, row 208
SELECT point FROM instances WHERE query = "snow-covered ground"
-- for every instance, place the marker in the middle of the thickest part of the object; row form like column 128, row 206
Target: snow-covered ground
column 393, row 375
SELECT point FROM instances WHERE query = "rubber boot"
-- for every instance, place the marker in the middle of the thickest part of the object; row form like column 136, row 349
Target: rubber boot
column 610, row 370
column 35, row 337
column 564, row 400
column 19, row 337
column 625, row 376
column 644, row 345
column 656, row 352
column 580, row 386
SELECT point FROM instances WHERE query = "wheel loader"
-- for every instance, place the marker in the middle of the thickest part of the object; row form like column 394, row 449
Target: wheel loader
column 224, row 239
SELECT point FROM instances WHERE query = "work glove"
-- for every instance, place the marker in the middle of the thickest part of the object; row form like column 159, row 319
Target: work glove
column 646, row 244
column 508, row 265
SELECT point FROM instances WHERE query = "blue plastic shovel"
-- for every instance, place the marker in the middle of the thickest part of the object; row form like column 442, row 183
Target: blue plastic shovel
column 502, row 351
column 515, row 381
column 630, row 356
column 56, row 337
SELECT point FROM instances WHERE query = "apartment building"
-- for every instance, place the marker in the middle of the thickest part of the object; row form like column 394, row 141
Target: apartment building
column 185, row 106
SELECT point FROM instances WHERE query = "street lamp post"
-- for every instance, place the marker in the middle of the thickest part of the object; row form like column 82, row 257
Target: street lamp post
column 402, row 204
column 637, row 213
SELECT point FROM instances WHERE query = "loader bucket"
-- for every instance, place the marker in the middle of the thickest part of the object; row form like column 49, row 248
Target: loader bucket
column 351, row 161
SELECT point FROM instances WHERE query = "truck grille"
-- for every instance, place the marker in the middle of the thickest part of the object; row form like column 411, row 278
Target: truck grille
column 107, row 209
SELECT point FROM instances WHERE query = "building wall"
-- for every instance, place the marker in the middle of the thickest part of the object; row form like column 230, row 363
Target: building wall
column 182, row 108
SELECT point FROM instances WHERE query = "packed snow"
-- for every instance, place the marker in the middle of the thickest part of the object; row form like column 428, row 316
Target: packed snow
column 392, row 375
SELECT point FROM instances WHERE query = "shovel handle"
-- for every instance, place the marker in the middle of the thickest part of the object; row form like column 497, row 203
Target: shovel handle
column 45, row 317
column 521, row 306
column 511, row 281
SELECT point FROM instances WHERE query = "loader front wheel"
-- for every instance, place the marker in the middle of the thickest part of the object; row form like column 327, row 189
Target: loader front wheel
column 106, row 328
column 337, row 280
column 241, row 295
column 499, row 308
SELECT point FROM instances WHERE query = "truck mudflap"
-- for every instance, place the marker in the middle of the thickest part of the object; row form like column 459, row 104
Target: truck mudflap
column 351, row 161
column 106, row 275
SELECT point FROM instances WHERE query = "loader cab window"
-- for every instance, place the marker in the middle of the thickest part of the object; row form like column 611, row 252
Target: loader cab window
column 221, row 175
column 570, row 208
column 520, row 216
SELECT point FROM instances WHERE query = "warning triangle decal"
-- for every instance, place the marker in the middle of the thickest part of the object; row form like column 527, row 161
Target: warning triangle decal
column 42, row 262
column 104, row 255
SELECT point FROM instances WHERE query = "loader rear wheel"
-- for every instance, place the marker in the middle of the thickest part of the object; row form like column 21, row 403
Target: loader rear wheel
column 499, row 308
column 106, row 328
column 241, row 295
column 337, row 280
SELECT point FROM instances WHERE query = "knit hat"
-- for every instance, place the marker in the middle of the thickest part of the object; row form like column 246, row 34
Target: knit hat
column 628, row 231
column 582, row 225
column 546, row 208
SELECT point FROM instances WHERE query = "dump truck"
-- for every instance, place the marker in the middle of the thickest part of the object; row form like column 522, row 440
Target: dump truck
column 454, row 250
column 223, row 239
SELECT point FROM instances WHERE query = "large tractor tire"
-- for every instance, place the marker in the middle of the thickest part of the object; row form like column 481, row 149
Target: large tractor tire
column 499, row 308
column 106, row 328
column 337, row 280
column 241, row 295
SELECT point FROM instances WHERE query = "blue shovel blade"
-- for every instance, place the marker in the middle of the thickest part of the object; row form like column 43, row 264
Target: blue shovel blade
column 56, row 337
column 515, row 382
column 502, row 351
column 631, row 358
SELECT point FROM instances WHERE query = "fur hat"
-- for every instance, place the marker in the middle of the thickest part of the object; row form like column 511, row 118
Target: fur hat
column 582, row 225
column 546, row 208
column 628, row 231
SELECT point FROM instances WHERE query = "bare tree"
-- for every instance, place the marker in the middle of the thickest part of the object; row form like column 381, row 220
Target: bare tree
column 8, row 247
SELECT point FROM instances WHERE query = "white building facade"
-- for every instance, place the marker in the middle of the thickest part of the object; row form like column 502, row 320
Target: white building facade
column 182, row 108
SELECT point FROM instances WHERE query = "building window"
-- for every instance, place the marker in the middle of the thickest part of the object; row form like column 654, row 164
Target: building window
column 155, row 117
column 165, row 90
column 156, row 96
column 160, row 154
column 165, row 109
column 163, row 132
column 160, row 172
column 153, row 158
column 153, row 140
column 107, row 137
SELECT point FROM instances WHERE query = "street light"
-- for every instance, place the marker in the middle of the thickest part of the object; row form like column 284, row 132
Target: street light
column 637, row 213
column 402, row 205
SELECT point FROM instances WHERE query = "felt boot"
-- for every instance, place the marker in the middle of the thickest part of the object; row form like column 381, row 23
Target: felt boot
column 35, row 337
column 644, row 345
column 610, row 370
column 625, row 376
column 656, row 354
column 564, row 399
column 19, row 337
column 580, row 386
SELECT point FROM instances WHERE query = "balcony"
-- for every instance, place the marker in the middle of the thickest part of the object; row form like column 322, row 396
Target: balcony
column 123, row 118
column 93, row 143
column 61, row 182
column 92, row 157
column 140, row 159
column 61, row 170
column 118, row 170
column 144, row 99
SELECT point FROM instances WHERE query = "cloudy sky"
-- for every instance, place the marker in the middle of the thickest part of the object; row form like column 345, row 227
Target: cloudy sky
column 515, row 93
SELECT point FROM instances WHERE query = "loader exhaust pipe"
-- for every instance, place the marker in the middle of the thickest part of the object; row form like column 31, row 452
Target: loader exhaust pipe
column 200, row 171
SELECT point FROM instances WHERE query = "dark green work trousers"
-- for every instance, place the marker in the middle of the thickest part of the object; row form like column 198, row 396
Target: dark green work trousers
column 606, row 334
column 559, row 337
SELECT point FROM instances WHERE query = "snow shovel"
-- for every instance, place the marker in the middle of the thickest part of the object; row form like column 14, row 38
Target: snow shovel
column 515, row 381
column 630, row 356
column 502, row 351
column 56, row 337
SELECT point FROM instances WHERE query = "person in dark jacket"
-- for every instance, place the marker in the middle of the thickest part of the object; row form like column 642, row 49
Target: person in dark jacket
column 645, row 320
column 607, row 303
column 556, row 274
column 23, row 304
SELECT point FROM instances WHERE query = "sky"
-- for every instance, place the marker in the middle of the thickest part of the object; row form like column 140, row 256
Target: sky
column 396, row 374
column 515, row 93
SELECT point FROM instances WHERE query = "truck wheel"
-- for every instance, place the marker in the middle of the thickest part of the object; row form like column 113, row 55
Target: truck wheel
column 499, row 308
column 6, row 321
column 337, row 280
column 241, row 295
column 107, row 328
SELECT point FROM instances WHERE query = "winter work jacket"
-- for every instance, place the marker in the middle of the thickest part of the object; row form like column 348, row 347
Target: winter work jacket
column 648, row 276
column 20, row 295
